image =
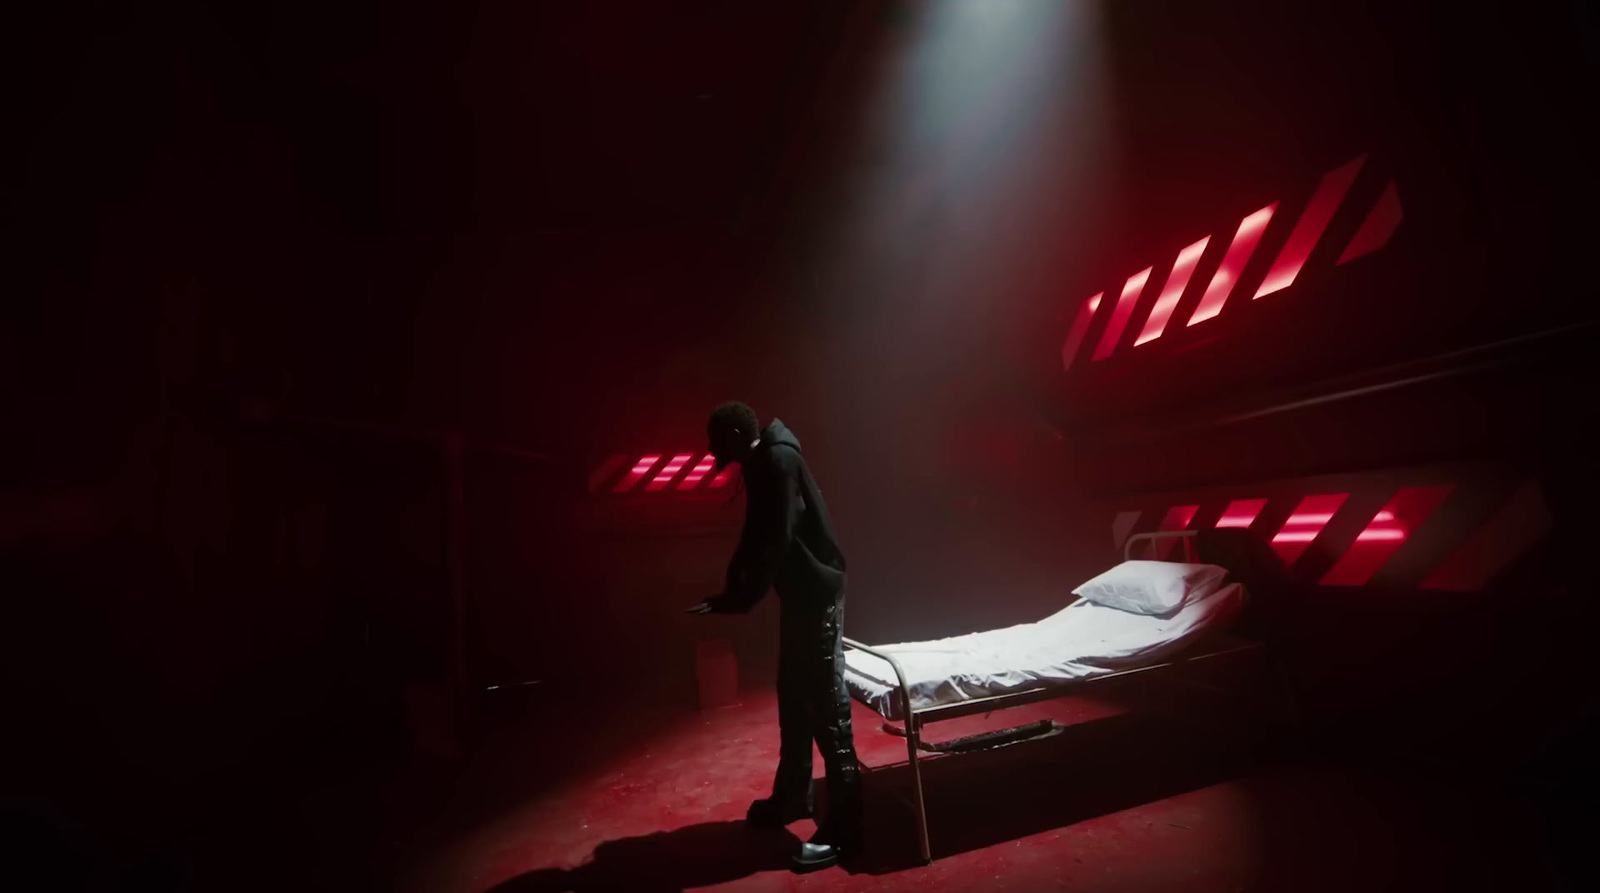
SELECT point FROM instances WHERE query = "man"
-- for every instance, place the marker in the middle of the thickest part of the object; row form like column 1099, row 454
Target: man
column 788, row 544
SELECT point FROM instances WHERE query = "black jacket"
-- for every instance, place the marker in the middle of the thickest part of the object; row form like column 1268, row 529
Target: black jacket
column 788, row 541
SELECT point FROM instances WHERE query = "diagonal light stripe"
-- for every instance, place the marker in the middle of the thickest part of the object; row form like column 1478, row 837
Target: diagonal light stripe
column 1080, row 328
column 1309, row 228
column 640, row 469
column 1379, row 226
column 669, row 471
column 1172, row 292
column 698, row 472
column 1233, row 263
column 1119, row 314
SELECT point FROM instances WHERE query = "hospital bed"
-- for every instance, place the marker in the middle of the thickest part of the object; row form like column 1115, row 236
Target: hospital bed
column 918, row 683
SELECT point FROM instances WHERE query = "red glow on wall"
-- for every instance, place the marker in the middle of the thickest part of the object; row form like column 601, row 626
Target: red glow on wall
column 1080, row 328
column 1172, row 292
column 669, row 471
column 1222, row 282
column 1379, row 226
column 639, row 470
column 1241, row 513
column 1176, row 518
column 1313, row 221
column 1307, row 521
column 1404, row 511
column 722, row 479
column 1120, row 313
column 698, row 472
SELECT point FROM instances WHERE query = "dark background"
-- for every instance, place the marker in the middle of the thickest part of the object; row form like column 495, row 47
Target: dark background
column 274, row 265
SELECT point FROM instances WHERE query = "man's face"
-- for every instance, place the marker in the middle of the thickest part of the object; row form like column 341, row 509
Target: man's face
column 728, row 444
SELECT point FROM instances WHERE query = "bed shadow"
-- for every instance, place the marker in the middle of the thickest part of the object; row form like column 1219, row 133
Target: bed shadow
column 687, row 858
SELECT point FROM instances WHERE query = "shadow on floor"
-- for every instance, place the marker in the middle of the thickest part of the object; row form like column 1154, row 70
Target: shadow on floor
column 690, row 857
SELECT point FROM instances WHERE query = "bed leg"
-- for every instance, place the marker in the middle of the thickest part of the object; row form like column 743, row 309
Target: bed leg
column 913, row 734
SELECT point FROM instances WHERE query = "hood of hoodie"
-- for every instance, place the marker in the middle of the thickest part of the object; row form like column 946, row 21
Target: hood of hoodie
column 777, row 432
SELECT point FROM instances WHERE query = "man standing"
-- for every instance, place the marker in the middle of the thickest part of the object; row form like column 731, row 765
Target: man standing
column 788, row 545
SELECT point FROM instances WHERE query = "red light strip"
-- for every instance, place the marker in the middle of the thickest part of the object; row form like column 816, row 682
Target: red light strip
column 1307, row 521
column 722, row 479
column 1080, row 328
column 1241, row 513
column 1222, row 282
column 1379, row 226
column 1119, row 314
column 640, row 469
column 698, row 472
column 1172, row 292
column 1412, row 504
column 670, row 471
column 1309, row 228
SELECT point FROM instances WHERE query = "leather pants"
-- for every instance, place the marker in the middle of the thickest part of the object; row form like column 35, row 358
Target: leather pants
column 814, row 705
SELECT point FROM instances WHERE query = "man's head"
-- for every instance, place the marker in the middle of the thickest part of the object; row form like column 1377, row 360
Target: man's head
column 732, row 429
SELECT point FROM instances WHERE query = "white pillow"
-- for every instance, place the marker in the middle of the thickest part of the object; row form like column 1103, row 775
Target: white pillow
column 1139, row 586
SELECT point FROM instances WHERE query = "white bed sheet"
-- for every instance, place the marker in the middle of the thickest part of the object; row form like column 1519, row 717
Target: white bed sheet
column 1080, row 641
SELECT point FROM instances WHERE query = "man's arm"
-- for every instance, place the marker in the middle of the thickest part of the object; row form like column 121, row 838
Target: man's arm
column 769, row 525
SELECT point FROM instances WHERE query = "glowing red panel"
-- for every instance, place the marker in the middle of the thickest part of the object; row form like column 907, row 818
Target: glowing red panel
column 1172, row 292
column 1518, row 526
column 1222, row 282
column 1241, row 513
column 698, row 472
column 1313, row 221
column 1308, row 519
column 1378, row 227
column 669, row 471
column 722, row 479
column 640, row 469
column 1404, row 512
column 1080, row 328
column 1120, row 313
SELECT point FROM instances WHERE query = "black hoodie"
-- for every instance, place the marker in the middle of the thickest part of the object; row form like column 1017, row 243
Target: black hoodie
column 788, row 541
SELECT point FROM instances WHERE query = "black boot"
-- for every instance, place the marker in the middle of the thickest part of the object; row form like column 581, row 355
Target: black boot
column 828, row 847
column 780, row 809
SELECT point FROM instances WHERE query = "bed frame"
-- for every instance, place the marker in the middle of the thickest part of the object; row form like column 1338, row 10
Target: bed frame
column 912, row 729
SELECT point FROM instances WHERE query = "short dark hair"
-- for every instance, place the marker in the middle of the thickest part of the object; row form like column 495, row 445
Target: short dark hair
column 734, row 414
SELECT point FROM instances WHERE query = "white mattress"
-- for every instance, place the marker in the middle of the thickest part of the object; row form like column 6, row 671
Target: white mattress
column 1080, row 641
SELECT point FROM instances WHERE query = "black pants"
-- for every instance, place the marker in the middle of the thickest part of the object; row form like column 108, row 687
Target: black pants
column 813, row 705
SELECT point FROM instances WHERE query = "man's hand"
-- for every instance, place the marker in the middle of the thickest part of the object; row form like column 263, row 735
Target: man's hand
column 702, row 608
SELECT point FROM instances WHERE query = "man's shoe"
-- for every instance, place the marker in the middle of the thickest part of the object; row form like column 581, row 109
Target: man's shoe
column 815, row 854
column 774, row 813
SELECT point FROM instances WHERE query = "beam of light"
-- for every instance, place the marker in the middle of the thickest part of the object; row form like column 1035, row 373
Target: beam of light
column 1379, row 226
column 1324, row 517
column 669, row 471
column 1120, row 313
column 1172, row 292
column 640, row 469
column 1241, row 513
column 698, row 472
column 1309, row 228
column 1080, row 328
column 1239, row 251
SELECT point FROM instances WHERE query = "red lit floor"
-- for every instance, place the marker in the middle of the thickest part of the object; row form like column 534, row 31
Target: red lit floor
column 614, row 797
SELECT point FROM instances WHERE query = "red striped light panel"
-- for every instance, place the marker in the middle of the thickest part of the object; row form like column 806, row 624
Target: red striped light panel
column 681, row 472
column 1451, row 556
column 1375, row 231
